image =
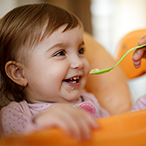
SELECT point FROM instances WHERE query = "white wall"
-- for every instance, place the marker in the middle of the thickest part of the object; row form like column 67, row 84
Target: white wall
column 7, row 5
column 130, row 15
column 112, row 19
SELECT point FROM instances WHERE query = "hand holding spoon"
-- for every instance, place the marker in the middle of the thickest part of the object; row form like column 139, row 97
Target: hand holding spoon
column 97, row 71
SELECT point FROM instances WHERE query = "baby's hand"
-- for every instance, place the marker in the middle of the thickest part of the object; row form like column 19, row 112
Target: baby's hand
column 75, row 122
column 139, row 53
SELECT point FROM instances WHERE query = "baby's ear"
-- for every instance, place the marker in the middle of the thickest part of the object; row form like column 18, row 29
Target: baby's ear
column 15, row 72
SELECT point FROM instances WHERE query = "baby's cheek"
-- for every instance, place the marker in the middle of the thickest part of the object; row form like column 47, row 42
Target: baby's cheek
column 87, row 68
column 83, row 82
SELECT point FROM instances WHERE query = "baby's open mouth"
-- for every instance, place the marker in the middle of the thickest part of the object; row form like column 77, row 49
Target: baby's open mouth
column 72, row 80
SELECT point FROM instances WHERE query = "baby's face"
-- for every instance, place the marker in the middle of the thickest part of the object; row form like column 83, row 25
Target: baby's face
column 57, row 69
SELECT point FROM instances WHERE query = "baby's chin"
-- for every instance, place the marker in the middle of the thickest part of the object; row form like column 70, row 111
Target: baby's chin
column 71, row 95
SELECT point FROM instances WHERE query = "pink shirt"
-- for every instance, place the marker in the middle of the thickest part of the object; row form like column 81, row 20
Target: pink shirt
column 140, row 104
column 17, row 118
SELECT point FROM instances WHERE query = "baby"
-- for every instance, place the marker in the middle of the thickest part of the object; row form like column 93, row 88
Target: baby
column 44, row 71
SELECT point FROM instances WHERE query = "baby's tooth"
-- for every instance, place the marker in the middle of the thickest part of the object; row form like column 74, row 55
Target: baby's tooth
column 74, row 82
column 74, row 78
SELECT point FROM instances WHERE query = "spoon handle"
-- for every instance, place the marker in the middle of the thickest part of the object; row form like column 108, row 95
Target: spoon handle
column 96, row 71
column 137, row 47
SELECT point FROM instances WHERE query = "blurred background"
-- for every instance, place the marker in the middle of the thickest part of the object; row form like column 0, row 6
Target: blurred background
column 107, row 20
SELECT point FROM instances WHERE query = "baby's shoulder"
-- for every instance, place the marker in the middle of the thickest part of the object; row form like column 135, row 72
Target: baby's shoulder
column 142, row 99
column 140, row 104
column 14, row 106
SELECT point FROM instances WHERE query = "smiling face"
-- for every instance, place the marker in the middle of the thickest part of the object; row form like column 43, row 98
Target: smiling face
column 57, row 69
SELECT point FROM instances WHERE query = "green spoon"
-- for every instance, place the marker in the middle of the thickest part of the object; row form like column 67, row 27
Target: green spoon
column 97, row 71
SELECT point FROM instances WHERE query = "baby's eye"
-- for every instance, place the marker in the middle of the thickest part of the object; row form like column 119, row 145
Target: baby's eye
column 81, row 51
column 60, row 53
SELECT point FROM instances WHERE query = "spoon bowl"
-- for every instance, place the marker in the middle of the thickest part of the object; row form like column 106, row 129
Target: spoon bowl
column 97, row 71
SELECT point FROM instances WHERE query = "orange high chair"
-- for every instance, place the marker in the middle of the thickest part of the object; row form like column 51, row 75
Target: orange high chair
column 129, row 41
column 120, row 130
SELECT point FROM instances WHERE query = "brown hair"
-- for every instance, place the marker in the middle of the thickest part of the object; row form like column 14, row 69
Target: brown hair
column 23, row 28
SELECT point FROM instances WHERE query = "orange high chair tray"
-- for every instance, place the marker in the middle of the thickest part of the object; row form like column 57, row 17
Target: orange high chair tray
column 129, row 41
column 128, row 129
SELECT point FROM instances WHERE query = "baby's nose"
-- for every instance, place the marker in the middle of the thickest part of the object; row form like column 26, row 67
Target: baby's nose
column 77, row 63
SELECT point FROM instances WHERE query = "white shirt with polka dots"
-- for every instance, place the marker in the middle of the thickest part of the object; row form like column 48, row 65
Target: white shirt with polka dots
column 140, row 104
column 17, row 118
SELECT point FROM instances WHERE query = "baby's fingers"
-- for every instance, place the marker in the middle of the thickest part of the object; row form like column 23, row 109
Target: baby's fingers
column 88, row 123
column 72, row 123
column 62, row 120
column 77, row 123
column 82, row 124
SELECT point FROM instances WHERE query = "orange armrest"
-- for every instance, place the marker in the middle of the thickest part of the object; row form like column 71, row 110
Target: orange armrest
column 126, row 129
